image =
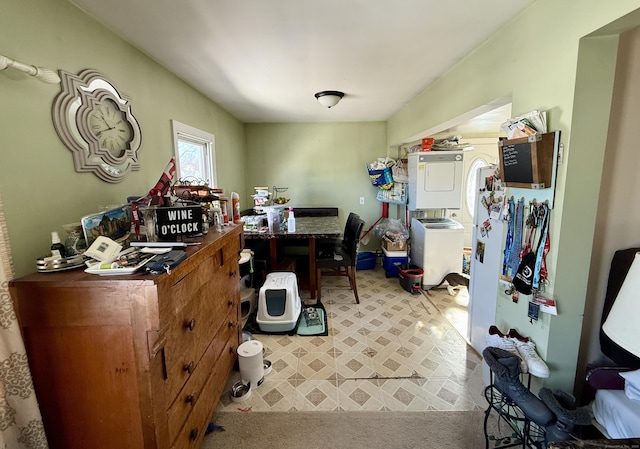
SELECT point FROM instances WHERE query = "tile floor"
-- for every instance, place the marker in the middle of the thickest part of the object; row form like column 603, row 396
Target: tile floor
column 392, row 352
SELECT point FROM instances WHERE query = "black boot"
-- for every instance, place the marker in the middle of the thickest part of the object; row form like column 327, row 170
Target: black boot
column 506, row 378
column 563, row 405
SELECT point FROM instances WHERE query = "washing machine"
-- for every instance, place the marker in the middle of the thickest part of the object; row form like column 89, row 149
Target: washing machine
column 435, row 180
column 436, row 247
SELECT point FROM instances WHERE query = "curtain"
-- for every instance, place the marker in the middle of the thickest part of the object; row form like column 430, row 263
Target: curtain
column 20, row 420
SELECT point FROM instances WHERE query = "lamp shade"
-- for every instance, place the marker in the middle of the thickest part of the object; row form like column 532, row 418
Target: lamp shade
column 329, row 98
column 621, row 325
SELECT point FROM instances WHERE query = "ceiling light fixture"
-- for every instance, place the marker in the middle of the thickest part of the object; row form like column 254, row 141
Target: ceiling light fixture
column 39, row 73
column 329, row 98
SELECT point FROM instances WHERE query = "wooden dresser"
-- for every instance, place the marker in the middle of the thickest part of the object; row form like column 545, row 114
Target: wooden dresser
column 134, row 361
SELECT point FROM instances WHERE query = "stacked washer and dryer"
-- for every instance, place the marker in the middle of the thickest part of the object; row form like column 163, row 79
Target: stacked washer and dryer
column 435, row 183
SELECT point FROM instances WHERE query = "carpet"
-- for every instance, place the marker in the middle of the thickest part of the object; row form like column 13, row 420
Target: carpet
column 349, row 430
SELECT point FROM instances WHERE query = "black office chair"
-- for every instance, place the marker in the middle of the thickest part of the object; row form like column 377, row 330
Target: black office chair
column 344, row 258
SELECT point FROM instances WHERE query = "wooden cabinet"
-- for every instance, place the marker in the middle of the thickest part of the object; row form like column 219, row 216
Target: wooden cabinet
column 133, row 361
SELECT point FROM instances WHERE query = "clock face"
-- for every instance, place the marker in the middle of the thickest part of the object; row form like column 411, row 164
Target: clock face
column 95, row 122
column 110, row 126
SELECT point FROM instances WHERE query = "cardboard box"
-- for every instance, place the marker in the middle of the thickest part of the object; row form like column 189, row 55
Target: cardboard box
column 398, row 245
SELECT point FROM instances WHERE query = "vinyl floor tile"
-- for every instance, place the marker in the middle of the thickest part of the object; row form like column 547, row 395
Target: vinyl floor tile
column 393, row 351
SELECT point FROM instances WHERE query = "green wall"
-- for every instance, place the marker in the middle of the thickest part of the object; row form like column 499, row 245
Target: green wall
column 322, row 164
column 544, row 59
column 540, row 61
column 38, row 183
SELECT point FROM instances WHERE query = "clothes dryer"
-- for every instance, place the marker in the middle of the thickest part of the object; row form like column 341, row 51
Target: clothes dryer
column 435, row 180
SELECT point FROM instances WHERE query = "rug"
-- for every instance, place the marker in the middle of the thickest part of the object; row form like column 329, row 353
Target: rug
column 349, row 430
column 300, row 328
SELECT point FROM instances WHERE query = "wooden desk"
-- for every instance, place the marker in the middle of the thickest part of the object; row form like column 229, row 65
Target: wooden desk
column 308, row 228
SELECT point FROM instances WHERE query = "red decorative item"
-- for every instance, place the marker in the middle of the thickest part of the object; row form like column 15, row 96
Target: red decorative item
column 155, row 195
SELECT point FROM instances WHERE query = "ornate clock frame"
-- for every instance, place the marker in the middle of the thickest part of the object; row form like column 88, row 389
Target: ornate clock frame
column 72, row 108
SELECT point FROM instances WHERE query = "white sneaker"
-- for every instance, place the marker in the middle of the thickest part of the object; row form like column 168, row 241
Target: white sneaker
column 528, row 353
column 507, row 344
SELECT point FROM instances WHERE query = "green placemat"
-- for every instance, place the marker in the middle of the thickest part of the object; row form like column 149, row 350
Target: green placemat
column 313, row 321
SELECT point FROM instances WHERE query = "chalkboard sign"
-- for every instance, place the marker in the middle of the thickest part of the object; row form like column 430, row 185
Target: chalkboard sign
column 527, row 162
column 517, row 163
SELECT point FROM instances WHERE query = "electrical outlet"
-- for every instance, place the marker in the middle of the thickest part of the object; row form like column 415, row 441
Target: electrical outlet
column 361, row 200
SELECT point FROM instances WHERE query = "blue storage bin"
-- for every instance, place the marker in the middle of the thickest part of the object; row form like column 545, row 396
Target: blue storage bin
column 366, row 260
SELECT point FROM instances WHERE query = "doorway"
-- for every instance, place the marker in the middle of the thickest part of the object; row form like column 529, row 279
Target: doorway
column 482, row 134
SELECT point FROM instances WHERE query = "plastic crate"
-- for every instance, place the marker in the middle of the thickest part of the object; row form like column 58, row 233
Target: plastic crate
column 366, row 260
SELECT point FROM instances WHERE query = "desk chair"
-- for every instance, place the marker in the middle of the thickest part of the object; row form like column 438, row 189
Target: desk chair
column 343, row 262
column 315, row 211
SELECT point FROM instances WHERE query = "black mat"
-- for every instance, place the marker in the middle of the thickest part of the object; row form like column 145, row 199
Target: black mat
column 253, row 327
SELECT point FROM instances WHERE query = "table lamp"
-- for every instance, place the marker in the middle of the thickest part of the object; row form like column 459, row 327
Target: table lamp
column 621, row 326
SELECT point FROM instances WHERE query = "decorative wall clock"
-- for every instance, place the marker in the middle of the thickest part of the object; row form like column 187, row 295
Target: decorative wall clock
column 94, row 120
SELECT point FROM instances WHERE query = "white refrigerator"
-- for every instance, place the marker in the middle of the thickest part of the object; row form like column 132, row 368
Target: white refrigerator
column 486, row 257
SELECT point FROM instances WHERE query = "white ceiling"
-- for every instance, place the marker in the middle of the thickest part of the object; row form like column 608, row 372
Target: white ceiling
column 263, row 60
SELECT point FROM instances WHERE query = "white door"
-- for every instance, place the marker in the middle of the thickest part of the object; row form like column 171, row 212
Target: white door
column 485, row 152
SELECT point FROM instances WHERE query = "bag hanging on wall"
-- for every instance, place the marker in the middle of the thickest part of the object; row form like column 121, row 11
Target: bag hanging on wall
column 523, row 279
column 399, row 172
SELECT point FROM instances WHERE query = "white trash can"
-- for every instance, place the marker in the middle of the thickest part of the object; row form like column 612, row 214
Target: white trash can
column 251, row 363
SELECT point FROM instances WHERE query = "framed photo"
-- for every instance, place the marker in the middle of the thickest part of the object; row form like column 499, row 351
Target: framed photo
column 113, row 223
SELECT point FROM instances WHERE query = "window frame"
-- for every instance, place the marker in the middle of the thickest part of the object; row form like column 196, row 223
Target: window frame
column 471, row 193
column 184, row 132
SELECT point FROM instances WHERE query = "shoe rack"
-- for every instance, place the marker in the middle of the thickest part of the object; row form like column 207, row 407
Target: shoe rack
column 513, row 426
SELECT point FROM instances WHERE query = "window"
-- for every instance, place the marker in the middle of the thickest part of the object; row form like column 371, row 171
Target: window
column 195, row 154
column 472, row 183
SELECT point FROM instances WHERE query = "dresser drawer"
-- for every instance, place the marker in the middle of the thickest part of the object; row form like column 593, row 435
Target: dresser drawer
column 196, row 415
column 185, row 348
column 231, row 250
column 182, row 291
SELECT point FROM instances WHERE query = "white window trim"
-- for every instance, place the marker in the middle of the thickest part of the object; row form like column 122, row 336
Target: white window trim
column 181, row 129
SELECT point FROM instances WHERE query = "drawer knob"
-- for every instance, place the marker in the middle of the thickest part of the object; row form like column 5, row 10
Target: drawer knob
column 230, row 302
column 189, row 367
column 190, row 324
column 190, row 398
column 231, row 324
column 193, row 435
column 232, row 273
